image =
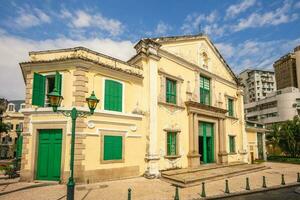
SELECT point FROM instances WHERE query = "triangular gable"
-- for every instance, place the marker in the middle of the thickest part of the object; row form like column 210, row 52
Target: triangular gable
column 182, row 46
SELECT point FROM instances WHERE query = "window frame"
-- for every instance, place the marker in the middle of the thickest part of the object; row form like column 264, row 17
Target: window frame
column 234, row 144
column 103, row 94
column 46, row 75
column 112, row 133
column 209, row 91
column 169, row 154
column 174, row 95
column 13, row 107
column 231, row 112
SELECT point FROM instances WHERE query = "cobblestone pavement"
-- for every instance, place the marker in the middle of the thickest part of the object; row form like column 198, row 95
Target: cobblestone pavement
column 284, row 193
column 145, row 189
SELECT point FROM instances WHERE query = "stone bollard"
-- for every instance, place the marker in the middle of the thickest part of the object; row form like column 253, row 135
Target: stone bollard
column 247, row 184
column 203, row 194
column 176, row 194
column 298, row 177
column 226, row 187
column 129, row 194
column 264, row 185
column 282, row 179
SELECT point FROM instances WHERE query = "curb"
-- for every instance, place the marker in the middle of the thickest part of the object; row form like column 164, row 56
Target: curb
column 258, row 190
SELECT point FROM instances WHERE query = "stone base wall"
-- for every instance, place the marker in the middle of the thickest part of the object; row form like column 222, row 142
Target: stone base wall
column 94, row 176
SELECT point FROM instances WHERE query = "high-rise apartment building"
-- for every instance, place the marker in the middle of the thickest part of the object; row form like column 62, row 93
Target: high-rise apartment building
column 280, row 105
column 257, row 84
column 285, row 71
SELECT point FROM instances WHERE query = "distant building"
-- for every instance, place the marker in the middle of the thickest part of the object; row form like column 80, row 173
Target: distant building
column 279, row 106
column 257, row 84
column 256, row 140
column 285, row 70
column 283, row 104
column 15, row 119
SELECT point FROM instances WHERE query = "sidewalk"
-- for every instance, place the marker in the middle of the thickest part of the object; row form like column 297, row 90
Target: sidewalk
column 145, row 189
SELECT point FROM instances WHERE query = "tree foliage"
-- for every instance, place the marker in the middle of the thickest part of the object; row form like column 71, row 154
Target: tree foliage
column 4, row 127
column 286, row 136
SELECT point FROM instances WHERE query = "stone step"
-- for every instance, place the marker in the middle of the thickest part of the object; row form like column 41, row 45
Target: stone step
column 191, row 179
column 202, row 168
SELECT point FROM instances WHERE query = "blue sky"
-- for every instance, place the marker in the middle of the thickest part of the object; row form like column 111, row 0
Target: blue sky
column 249, row 34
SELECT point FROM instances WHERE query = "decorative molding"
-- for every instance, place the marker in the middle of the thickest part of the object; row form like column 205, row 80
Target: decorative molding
column 194, row 67
column 49, row 110
column 171, row 105
column 49, row 121
column 161, row 71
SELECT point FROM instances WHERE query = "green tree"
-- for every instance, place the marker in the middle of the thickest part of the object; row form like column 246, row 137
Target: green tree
column 290, row 140
column 274, row 136
column 4, row 127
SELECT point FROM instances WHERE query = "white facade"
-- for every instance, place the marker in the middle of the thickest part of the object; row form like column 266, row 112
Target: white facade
column 278, row 106
column 257, row 84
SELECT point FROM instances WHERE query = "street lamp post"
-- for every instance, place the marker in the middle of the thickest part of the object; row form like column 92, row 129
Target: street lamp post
column 55, row 100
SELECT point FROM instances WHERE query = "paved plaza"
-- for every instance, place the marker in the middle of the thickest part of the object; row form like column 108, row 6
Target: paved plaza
column 144, row 189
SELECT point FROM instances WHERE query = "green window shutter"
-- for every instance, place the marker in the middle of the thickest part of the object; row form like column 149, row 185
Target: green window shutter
column 171, row 144
column 113, row 147
column 19, row 146
column 113, row 95
column 230, row 107
column 231, row 144
column 204, row 90
column 58, row 78
column 171, row 95
column 38, row 92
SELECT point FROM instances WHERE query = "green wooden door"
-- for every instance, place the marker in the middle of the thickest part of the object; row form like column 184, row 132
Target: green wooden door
column 206, row 133
column 49, row 154
column 260, row 146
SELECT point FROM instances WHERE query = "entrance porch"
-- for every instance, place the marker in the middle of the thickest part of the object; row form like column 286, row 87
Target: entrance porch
column 207, row 136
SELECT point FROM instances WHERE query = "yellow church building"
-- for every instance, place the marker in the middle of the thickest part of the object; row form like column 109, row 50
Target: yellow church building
column 175, row 104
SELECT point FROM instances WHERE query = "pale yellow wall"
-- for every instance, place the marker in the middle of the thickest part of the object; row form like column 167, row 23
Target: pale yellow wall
column 252, row 143
column 136, row 90
column 220, row 87
column 191, row 50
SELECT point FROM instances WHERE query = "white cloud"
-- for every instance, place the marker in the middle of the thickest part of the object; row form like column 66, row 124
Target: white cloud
column 297, row 5
column 279, row 16
column 256, row 54
column 162, row 28
column 215, row 29
column 64, row 13
column 236, row 9
column 15, row 49
column 31, row 17
column 226, row 49
column 83, row 19
column 195, row 22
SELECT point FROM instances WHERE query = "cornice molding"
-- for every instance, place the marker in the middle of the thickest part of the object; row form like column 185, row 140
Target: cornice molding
column 193, row 67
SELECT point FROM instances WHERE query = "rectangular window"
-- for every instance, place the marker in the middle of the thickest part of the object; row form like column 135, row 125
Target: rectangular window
column 11, row 107
column 204, row 90
column 232, row 144
column 42, row 85
column 113, row 96
column 230, row 108
column 113, row 147
column 171, row 143
column 170, row 91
